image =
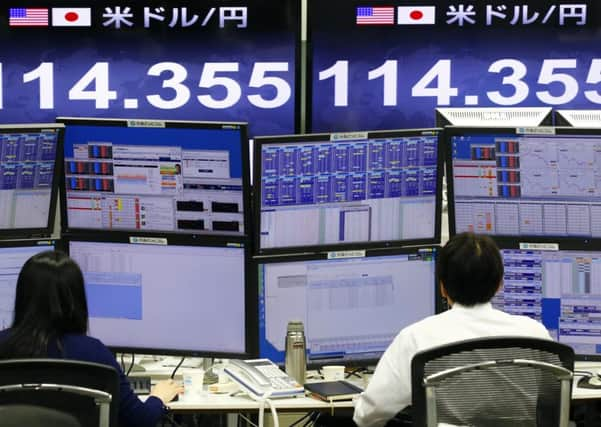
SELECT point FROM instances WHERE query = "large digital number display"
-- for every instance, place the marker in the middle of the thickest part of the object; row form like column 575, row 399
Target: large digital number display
column 384, row 66
column 210, row 60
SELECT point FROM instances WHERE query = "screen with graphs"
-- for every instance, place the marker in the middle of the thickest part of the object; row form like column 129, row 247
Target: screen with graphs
column 561, row 289
column 351, row 308
column 27, row 171
column 168, row 298
column 333, row 189
column 147, row 175
column 12, row 259
column 543, row 183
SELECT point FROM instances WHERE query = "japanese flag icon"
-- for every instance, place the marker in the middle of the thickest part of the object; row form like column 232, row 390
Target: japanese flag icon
column 71, row 17
column 416, row 15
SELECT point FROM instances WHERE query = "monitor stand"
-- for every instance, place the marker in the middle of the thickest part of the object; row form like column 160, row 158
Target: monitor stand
column 210, row 376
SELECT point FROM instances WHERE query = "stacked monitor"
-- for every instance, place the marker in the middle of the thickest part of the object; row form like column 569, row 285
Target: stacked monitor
column 537, row 191
column 29, row 170
column 13, row 255
column 350, row 203
column 156, row 213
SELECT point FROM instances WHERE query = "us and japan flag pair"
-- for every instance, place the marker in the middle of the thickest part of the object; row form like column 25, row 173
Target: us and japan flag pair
column 406, row 15
column 61, row 17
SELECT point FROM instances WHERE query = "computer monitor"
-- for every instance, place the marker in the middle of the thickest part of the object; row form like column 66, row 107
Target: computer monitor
column 352, row 308
column 13, row 255
column 347, row 189
column 494, row 116
column 167, row 299
column 156, row 176
column 560, row 288
column 29, row 178
column 578, row 118
column 509, row 182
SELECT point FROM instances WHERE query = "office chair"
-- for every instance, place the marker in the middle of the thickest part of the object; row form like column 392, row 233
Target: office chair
column 49, row 392
column 501, row 381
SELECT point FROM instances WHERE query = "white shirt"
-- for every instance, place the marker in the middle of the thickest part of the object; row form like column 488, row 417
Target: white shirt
column 389, row 390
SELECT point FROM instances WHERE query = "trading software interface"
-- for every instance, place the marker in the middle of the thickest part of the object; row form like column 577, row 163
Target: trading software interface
column 537, row 185
column 186, row 180
column 164, row 297
column 11, row 262
column 315, row 193
column 351, row 308
column 27, row 160
column 561, row 289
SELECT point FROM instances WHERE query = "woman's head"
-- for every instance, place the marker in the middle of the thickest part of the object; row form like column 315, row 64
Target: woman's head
column 50, row 292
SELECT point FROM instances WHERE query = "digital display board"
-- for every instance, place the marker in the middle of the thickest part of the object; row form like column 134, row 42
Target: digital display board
column 211, row 60
column 388, row 65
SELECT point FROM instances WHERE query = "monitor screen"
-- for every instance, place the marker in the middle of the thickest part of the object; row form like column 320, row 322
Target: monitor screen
column 166, row 299
column 12, row 257
column 148, row 175
column 385, row 65
column 28, row 184
column 223, row 60
column 352, row 188
column 561, row 289
column 541, row 182
column 352, row 308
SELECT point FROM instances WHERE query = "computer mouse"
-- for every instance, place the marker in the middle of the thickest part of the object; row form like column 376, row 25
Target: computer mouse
column 589, row 381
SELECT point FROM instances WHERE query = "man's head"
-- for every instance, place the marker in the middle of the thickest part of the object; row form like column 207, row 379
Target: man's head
column 470, row 269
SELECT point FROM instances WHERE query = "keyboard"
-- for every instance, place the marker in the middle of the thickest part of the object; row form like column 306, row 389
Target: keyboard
column 140, row 384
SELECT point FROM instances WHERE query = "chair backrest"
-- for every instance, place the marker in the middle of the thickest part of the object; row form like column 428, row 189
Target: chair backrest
column 500, row 381
column 82, row 392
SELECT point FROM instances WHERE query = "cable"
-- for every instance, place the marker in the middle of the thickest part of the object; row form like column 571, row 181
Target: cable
column 274, row 413
column 133, row 359
column 122, row 363
column 177, row 367
column 261, row 412
column 301, row 419
column 588, row 373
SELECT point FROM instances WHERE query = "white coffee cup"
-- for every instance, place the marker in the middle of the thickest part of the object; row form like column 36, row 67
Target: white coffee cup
column 333, row 372
column 193, row 384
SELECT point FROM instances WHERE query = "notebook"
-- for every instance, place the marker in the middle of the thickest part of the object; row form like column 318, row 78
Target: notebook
column 333, row 390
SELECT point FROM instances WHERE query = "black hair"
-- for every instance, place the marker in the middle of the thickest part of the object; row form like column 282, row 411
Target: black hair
column 50, row 301
column 470, row 268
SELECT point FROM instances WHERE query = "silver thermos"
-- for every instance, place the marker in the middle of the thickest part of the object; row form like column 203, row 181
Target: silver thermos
column 296, row 355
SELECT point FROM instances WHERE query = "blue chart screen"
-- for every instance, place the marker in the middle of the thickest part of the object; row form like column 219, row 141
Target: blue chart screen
column 561, row 289
column 185, row 179
column 385, row 65
column 527, row 185
column 348, row 191
column 351, row 308
column 26, row 173
column 224, row 60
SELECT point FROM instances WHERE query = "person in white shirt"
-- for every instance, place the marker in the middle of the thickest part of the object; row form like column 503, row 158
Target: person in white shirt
column 470, row 269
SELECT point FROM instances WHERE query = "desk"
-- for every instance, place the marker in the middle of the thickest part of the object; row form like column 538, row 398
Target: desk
column 585, row 393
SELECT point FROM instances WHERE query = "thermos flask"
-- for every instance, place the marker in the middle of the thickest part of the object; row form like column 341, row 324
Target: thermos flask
column 296, row 356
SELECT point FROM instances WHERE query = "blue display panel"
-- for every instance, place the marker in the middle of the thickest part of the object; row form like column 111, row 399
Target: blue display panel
column 384, row 65
column 327, row 189
column 165, row 298
column 184, row 177
column 545, row 183
column 224, row 60
column 12, row 259
column 27, row 176
column 561, row 289
column 351, row 308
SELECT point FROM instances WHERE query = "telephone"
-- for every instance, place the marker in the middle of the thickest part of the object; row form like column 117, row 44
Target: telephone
column 261, row 378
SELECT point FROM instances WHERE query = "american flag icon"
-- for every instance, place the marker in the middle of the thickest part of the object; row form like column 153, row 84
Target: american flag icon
column 375, row 15
column 27, row 17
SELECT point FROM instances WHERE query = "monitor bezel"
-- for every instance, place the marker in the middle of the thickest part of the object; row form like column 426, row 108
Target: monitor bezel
column 173, row 124
column 261, row 141
column 451, row 131
column 250, row 296
column 439, row 302
column 563, row 245
column 47, row 230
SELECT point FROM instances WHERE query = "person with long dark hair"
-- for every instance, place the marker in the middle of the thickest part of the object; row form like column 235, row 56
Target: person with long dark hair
column 51, row 320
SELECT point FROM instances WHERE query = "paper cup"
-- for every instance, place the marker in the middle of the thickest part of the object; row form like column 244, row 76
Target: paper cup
column 333, row 372
column 193, row 384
